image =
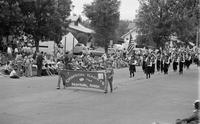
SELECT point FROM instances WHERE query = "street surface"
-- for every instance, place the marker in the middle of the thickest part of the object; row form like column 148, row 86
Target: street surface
column 163, row 98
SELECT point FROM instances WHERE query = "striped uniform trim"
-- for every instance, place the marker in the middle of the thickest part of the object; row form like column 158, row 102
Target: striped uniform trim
column 130, row 47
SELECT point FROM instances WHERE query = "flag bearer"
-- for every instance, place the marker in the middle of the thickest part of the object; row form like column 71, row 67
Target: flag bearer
column 132, row 64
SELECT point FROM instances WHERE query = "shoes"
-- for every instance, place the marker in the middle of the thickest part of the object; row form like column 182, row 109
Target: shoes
column 57, row 88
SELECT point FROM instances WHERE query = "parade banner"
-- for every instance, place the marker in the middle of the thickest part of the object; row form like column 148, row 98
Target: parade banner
column 86, row 79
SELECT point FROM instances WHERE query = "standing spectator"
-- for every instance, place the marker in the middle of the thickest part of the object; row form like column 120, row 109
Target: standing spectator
column 9, row 51
column 58, row 55
column 109, row 76
column 67, row 61
column 60, row 65
column 19, row 61
column 27, row 65
column 39, row 63
column 30, row 65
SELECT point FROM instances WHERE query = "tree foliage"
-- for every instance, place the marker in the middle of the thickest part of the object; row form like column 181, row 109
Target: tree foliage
column 122, row 28
column 11, row 19
column 45, row 19
column 157, row 20
column 82, row 38
column 104, row 16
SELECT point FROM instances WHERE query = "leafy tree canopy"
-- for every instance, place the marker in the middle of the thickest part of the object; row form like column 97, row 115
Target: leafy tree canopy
column 157, row 20
column 104, row 16
column 45, row 19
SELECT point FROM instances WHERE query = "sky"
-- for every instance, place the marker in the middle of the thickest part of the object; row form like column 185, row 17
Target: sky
column 128, row 8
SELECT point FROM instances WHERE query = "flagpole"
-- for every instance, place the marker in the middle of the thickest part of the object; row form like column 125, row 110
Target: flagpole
column 65, row 46
column 73, row 46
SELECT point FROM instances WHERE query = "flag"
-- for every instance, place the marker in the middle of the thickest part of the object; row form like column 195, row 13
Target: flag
column 131, row 45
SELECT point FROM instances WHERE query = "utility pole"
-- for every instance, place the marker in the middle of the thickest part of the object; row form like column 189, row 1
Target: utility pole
column 198, row 31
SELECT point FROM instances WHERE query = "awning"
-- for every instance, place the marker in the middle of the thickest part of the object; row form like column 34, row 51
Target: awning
column 81, row 28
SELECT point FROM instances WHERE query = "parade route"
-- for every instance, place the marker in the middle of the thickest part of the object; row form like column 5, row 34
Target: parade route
column 137, row 100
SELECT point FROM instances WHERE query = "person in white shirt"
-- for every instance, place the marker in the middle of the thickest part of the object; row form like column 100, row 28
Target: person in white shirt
column 13, row 74
column 132, row 64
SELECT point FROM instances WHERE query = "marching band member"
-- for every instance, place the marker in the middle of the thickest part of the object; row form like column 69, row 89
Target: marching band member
column 153, row 60
column 188, row 60
column 148, row 67
column 166, row 63
column 158, row 62
column 181, row 63
column 162, row 63
column 175, row 61
column 132, row 64
column 144, row 63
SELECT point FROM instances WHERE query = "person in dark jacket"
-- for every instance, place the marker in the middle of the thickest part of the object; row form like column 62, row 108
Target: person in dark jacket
column 194, row 118
column 39, row 63
column 158, row 62
column 181, row 63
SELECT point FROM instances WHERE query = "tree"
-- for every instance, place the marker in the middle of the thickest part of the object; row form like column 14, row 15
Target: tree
column 122, row 28
column 157, row 20
column 11, row 19
column 186, row 19
column 45, row 19
column 104, row 16
column 82, row 38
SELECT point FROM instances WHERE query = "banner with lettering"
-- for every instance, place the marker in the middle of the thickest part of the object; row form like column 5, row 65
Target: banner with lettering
column 85, row 79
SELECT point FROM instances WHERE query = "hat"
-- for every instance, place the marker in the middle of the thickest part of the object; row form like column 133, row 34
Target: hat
column 196, row 104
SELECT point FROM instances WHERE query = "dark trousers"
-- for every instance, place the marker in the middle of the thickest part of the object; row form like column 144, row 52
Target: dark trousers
column 148, row 71
column 110, row 83
column 162, row 67
column 61, row 77
column 181, row 67
column 175, row 66
column 153, row 69
column 187, row 63
column 132, row 70
column 166, row 68
column 39, row 70
column 158, row 65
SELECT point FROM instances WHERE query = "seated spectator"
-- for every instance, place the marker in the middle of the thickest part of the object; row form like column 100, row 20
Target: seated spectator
column 194, row 119
column 14, row 74
column 8, row 68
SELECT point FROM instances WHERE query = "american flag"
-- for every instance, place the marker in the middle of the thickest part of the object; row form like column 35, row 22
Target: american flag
column 131, row 45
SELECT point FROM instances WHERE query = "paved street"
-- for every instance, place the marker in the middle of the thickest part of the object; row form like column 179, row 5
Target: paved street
column 162, row 98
